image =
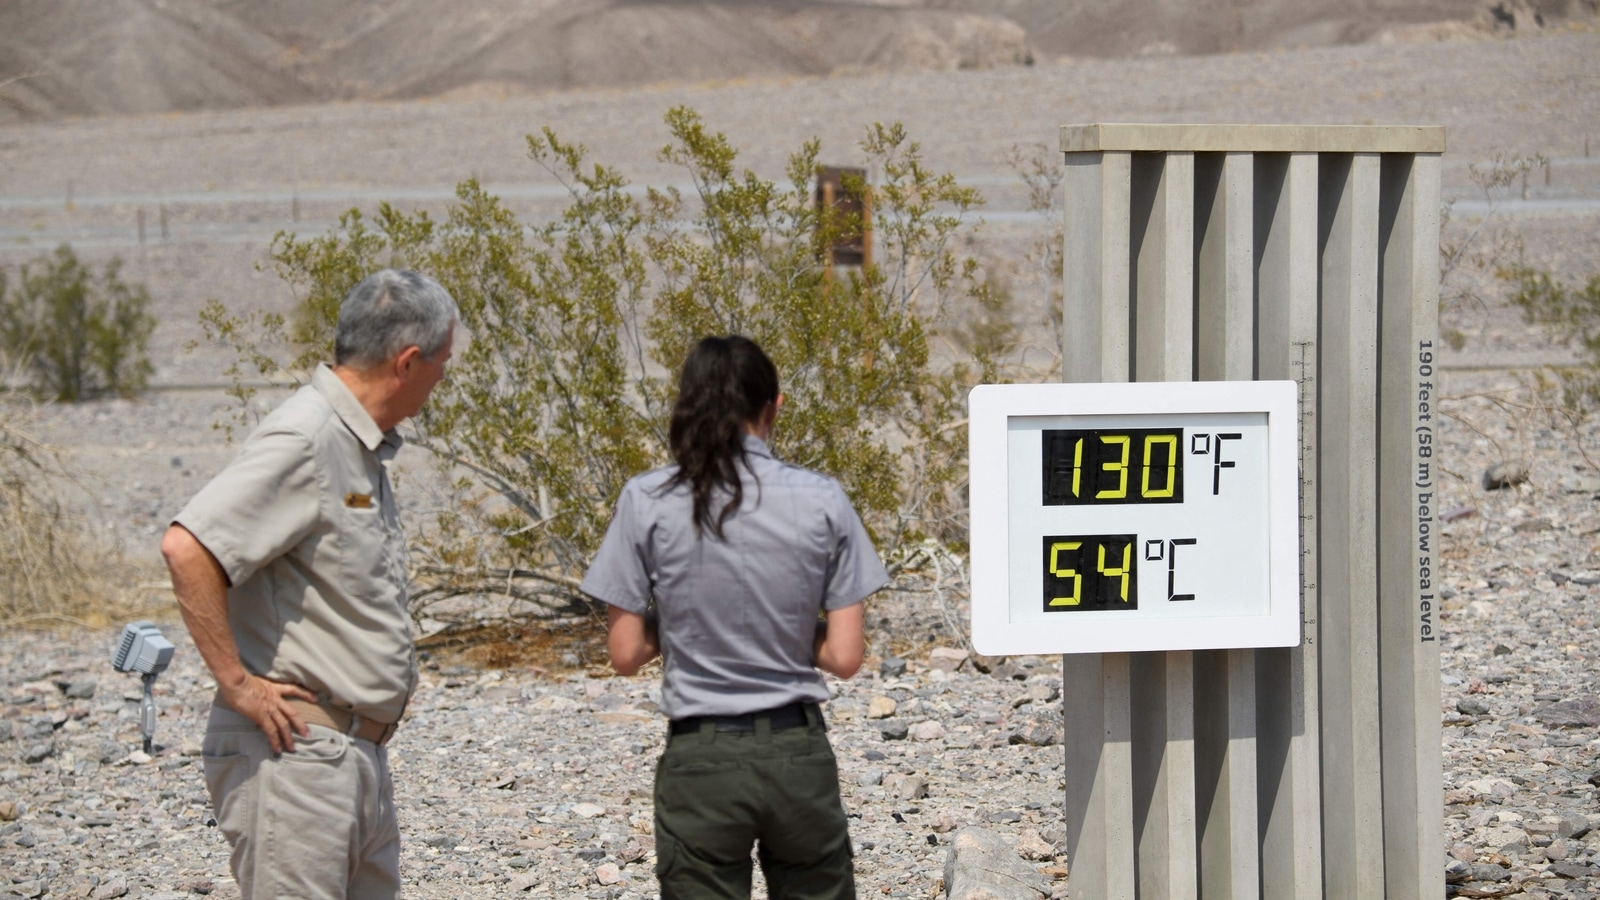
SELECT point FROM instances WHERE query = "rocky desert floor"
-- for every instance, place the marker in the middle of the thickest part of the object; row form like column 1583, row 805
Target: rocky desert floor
column 530, row 781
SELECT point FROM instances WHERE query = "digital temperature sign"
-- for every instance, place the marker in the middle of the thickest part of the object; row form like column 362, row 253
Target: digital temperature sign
column 1121, row 517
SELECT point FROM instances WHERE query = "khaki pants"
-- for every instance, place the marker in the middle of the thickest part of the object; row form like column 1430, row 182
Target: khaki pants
column 719, row 793
column 317, row 823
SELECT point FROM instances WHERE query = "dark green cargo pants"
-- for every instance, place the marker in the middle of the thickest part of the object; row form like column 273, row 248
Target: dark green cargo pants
column 720, row 793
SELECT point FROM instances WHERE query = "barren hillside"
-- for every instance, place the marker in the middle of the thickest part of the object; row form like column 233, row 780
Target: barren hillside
column 61, row 58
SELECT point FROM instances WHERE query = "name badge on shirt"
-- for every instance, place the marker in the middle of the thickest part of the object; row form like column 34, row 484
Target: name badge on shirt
column 358, row 501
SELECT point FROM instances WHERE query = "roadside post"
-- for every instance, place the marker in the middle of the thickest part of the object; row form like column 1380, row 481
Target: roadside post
column 1223, row 518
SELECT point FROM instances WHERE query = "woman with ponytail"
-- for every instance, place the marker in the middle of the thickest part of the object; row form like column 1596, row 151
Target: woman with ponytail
column 746, row 575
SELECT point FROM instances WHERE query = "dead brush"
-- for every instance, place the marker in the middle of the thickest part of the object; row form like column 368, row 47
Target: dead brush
column 53, row 570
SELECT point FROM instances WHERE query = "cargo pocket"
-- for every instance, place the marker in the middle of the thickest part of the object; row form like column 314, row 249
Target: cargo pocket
column 666, row 855
column 228, row 769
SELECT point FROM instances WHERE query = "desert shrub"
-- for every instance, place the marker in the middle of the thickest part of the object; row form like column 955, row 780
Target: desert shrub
column 1571, row 394
column 73, row 333
column 578, row 325
column 1471, row 258
column 52, row 570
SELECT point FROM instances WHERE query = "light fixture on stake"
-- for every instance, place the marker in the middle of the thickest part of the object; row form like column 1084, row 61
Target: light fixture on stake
column 142, row 649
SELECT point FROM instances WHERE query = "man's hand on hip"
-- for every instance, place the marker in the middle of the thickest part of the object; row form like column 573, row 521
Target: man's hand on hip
column 261, row 700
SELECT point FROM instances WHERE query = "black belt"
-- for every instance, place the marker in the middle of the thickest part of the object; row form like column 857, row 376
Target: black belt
column 780, row 718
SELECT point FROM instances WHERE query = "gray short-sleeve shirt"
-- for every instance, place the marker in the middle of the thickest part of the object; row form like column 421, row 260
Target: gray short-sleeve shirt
column 304, row 523
column 737, row 617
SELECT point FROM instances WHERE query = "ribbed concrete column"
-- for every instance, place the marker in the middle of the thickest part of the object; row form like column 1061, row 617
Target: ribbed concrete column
column 1287, row 711
column 1099, row 781
column 1272, row 252
column 1161, row 243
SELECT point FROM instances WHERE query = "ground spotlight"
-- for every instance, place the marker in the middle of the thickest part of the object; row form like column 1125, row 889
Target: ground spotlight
column 142, row 649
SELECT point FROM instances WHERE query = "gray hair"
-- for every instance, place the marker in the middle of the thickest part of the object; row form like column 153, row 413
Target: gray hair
column 390, row 310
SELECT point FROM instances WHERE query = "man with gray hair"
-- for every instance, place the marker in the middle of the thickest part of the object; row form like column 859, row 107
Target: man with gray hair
column 289, row 568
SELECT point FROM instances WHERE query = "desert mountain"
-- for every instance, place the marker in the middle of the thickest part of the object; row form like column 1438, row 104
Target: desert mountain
column 94, row 57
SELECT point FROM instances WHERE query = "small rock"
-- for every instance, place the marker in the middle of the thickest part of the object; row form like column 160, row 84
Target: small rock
column 592, row 854
column 1489, row 872
column 81, row 690
column 9, row 811
column 980, row 866
column 1031, row 846
column 907, row 787
column 524, row 882
column 1580, row 713
column 37, row 753
column 1560, row 578
column 1457, row 513
column 870, row 777
column 610, row 873
column 1472, row 706
column 1532, row 526
column 1504, row 475
column 1009, row 671
column 1557, row 850
column 893, row 667
column 1587, row 579
column 1040, row 731
column 881, row 707
column 587, row 810
column 1571, row 868
column 945, row 822
column 986, row 664
column 1502, row 650
column 631, row 853
column 113, row 887
column 1044, row 691
column 927, row 731
column 200, row 886
column 894, row 731
column 5, row 730
column 946, row 659
column 1572, row 825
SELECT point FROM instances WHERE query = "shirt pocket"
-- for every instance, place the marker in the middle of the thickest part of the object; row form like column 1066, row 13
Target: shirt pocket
column 368, row 540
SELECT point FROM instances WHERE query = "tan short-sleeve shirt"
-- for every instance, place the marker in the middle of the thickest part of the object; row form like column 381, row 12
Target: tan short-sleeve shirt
column 305, row 526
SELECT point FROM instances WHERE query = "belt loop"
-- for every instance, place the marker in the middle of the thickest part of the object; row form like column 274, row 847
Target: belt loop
column 708, row 729
column 813, row 715
column 763, row 723
column 355, row 724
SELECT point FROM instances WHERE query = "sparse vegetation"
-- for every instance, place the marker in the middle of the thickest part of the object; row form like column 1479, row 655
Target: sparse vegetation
column 73, row 334
column 1468, row 264
column 52, row 571
column 579, row 324
column 1570, row 394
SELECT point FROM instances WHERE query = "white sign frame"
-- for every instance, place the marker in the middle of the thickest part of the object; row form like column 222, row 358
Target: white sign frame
column 1268, row 616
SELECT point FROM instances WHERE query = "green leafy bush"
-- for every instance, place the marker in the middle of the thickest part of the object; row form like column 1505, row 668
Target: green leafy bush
column 73, row 334
column 578, row 326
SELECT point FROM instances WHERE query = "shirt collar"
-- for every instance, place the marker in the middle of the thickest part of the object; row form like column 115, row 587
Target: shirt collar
column 351, row 412
column 753, row 444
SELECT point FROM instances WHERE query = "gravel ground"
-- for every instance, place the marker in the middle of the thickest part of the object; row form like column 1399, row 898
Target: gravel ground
column 536, row 781
column 539, row 779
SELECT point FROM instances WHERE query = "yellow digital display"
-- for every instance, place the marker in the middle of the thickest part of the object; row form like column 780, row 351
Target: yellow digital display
column 1090, row 571
column 1085, row 467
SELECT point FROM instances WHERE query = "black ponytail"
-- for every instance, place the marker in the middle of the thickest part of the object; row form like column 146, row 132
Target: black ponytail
column 725, row 384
